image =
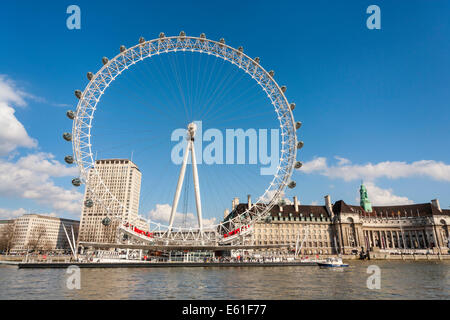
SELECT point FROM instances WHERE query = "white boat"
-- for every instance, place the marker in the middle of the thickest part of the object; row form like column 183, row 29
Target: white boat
column 313, row 260
column 333, row 263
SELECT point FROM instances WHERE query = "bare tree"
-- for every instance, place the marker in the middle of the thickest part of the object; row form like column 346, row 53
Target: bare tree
column 37, row 236
column 47, row 246
column 7, row 237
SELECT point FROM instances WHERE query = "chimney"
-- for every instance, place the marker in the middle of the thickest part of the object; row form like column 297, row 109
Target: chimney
column 235, row 203
column 249, row 201
column 435, row 202
column 296, row 203
column 226, row 213
column 328, row 205
column 281, row 207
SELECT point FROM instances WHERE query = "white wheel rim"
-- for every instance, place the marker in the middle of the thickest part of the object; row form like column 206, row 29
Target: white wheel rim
column 82, row 125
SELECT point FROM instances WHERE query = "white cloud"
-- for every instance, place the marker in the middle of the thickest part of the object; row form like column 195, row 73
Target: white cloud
column 384, row 197
column 317, row 165
column 342, row 161
column 270, row 194
column 30, row 178
column 14, row 214
column 267, row 197
column 44, row 163
column 11, row 214
column 9, row 93
column 161, row 214
column 369, row 172
column 12, row 132
column 388, row 169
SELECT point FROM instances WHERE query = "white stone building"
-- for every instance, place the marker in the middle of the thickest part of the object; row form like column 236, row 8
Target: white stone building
column 123, row 180
column 41, row 233
column 342, row 228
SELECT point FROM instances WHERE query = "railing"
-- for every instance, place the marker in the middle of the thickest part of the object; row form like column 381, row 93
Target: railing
column 406, row 251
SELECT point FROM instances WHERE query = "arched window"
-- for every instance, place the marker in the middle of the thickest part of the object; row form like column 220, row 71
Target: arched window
column 352, row 233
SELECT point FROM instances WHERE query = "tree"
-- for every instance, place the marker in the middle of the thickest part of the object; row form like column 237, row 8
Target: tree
column 7, row 237
column 37, row 238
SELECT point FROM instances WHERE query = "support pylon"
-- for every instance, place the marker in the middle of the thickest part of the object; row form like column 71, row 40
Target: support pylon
column 192, row 127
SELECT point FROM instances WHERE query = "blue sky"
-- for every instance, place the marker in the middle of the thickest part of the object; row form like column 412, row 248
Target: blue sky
column 377, row 99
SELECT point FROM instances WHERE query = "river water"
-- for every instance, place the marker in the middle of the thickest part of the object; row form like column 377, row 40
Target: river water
column 399, row 280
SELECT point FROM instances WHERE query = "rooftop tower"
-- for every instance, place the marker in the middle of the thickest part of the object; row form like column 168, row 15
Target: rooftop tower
column 364, row 202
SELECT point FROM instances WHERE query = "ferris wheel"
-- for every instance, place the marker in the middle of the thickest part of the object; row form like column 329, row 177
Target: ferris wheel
column 238, row 222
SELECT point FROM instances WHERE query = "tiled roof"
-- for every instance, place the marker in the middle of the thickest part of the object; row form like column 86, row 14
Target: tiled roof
column 288, row 210
column 407, row 210
column 411, row 210
column 341, row 206
column 303, row 210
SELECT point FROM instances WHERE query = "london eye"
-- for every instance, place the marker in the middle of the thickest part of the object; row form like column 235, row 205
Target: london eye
column 231, row 228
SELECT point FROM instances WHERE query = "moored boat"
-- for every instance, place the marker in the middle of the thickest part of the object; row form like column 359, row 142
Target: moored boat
column 333, row 263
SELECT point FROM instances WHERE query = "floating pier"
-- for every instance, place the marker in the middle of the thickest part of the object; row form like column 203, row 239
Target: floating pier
column 44, row 265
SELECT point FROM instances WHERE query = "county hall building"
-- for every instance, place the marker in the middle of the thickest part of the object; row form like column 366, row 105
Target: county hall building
column 347, row 229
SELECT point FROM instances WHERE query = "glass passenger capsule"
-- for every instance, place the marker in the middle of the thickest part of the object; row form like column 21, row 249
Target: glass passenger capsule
column 68, row 159
column 67, row 136
column 89, row 203
column 106, row 221
column 298, row 165
column 76, row 182
column 70, row 114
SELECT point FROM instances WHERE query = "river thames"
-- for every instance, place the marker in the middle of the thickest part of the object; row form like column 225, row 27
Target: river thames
column 399, row 280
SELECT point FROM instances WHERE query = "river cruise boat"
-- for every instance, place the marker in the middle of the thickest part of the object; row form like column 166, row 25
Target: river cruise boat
column 333, row 263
